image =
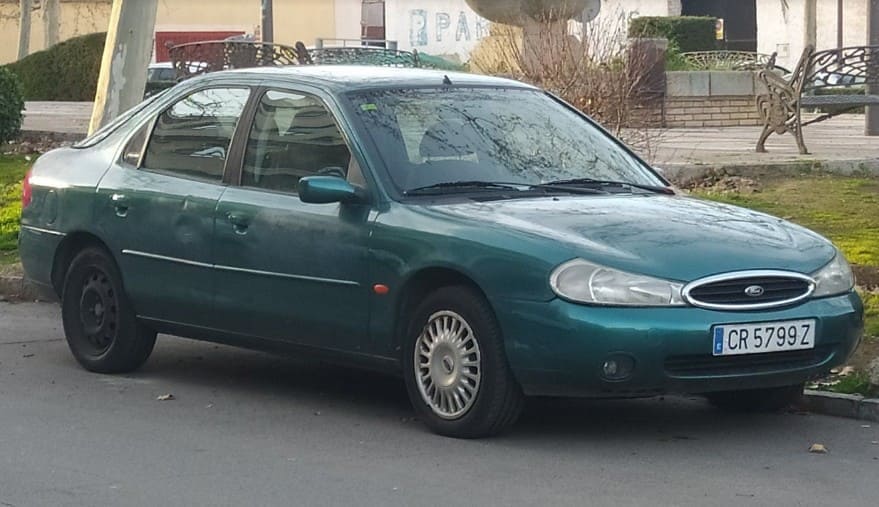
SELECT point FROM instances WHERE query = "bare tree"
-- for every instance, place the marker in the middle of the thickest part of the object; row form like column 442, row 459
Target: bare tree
column 594, row 66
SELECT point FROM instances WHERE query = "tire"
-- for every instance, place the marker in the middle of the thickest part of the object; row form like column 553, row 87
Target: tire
column 99, row 322
column 757, row 400
column 460, row 349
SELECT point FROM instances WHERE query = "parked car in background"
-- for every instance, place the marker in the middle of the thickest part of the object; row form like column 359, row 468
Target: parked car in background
column 477, row 236
column 160, row 77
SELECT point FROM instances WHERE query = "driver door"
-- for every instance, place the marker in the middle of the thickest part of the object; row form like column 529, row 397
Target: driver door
column 287, row 270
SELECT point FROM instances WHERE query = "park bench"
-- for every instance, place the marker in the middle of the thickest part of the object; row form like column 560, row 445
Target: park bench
column 202, row 57
column 834, row 81
column 729, row 60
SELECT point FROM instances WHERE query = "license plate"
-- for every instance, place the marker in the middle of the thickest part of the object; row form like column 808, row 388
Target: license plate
column 761, row 337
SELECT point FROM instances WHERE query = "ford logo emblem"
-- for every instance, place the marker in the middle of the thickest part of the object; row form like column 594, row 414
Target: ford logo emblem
column 754, row 291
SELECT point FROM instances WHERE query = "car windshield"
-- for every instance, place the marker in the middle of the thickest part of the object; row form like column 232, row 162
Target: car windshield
column 437, row 137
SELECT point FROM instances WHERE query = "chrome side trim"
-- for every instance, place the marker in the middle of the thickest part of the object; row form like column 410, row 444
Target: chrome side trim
column 737, row 275
column 285, row 275
column 175, row 260
column 240, row 270
column 43, row 231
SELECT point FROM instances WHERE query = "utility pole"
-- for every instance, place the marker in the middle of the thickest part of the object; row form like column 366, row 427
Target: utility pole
column 24, row 27
column 840, row 23
column 268, row 22
column 811, row 19
column 51, row 21
column 127, row 54
column 872, row 117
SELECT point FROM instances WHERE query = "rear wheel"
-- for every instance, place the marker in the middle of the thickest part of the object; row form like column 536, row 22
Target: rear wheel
column 757, row 400
column 455, row 366
column 99, row 322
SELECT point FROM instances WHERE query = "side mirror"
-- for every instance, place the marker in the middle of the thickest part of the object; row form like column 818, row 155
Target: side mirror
column 326, row 189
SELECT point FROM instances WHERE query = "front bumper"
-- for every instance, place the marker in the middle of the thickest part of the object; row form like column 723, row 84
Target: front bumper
column 558, row 348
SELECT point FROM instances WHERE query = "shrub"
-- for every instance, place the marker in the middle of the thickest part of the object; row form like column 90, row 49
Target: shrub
column 11, row 106
column 66, row 71
column 687, row 33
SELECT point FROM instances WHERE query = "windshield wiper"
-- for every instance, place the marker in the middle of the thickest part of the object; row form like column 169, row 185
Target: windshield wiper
column 612, row 183
column 439, row 188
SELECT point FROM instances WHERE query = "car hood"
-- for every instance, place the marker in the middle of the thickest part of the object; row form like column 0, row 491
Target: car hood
column 673, row 237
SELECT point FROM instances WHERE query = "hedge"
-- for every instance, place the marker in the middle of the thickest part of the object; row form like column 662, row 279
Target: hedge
column 66, row 71
column 686, row 33
column 11, row 106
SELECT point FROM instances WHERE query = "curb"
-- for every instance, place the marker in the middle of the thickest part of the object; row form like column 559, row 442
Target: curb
column 684, row 173
column 16, row 288
column 852, row 406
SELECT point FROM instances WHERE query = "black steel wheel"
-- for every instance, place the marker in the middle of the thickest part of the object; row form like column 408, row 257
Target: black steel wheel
column 100, row 325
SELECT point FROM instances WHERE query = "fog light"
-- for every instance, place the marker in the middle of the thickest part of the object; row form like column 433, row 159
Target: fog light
column 617, row 367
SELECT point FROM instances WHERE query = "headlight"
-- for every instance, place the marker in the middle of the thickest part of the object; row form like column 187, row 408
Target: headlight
column 584, row 282
column 834, row 278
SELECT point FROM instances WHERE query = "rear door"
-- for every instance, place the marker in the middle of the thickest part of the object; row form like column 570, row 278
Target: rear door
column 287, row 270
column 156, row 205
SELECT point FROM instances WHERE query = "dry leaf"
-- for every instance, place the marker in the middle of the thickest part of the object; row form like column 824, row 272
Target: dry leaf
column 848, row 370
column 818, row 449
column 166, row 397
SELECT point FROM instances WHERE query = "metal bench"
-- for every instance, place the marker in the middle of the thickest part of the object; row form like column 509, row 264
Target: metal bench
column 203, row 57
column 729, row 60
column 852, row 70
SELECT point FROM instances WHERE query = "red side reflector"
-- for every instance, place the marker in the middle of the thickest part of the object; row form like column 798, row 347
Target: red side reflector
column 380, row 289
column 26, row 192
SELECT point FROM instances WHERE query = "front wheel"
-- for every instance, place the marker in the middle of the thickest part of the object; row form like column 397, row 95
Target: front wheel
column 99, row 322
column 757, row 400
column 455, row 366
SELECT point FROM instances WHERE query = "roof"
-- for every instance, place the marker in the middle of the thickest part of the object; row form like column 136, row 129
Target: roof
column 358, row 77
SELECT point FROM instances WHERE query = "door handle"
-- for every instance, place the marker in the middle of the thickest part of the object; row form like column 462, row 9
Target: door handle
column 240, row 221
column 120, row 203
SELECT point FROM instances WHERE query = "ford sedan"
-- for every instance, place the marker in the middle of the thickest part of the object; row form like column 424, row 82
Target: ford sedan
column 477, row 236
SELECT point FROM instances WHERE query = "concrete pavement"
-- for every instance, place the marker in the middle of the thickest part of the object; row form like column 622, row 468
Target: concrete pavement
column 57, row 117
column 252, row 429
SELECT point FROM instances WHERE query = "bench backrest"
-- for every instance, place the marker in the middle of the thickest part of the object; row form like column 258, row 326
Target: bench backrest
column 212, row 56
column 728, row 60
column 846, row 67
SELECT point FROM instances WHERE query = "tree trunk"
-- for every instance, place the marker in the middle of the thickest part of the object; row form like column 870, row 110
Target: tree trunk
column 24, row 27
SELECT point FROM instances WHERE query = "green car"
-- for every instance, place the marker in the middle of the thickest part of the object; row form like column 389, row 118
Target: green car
column 477, row 236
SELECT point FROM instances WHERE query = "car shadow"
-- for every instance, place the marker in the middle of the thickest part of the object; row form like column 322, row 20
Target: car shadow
column 236, row 373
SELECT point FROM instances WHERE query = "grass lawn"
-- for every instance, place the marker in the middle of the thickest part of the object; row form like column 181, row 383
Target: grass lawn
column 844, row 209
column 12, row 170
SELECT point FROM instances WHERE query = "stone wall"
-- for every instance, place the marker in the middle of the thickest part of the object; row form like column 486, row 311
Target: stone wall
column 711, row 99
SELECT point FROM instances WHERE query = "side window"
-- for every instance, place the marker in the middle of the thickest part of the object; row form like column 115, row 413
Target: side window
column 192, row 137
column 293, row 135
column 134, row 148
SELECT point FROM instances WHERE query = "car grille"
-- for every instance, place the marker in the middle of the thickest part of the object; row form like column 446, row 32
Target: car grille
column 705, row 365
column 733, row 291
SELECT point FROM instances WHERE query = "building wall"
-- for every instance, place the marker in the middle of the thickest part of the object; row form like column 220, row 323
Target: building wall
column 295, row 20
column 437, row 27
column 347, row 14
column 786, row 34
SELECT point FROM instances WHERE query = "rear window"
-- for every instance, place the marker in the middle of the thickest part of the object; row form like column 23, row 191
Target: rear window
column 108, row 129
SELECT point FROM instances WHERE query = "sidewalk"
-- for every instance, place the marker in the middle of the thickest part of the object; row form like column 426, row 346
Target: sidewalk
column 57, row 117
column 837, row 145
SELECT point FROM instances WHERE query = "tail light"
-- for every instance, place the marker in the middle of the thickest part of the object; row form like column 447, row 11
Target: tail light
column 26, row 191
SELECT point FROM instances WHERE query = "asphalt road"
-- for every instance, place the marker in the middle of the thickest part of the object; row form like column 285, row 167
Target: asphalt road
column 251, row 429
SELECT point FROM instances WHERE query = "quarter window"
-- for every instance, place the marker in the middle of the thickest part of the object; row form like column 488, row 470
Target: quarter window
column 192, row 137
column 293, row 135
